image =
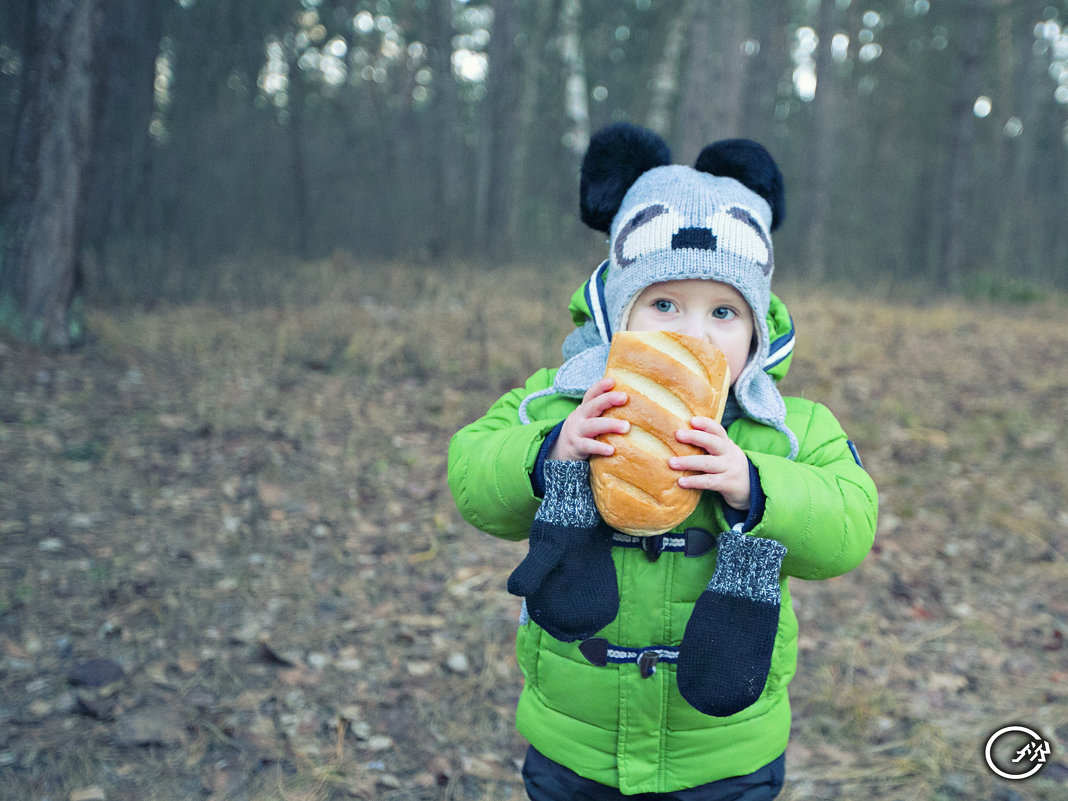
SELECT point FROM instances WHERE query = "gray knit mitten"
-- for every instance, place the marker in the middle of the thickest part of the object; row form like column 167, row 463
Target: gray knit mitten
column 725, row 655
column 568, row 577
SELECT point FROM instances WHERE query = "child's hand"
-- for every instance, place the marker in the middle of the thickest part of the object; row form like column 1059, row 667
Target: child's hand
column 577, row 441
column 723, row 468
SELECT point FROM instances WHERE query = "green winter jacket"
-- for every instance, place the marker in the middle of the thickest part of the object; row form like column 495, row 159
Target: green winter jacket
column 609, row 723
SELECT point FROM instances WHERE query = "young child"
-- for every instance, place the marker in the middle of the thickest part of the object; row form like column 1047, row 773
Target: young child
column 659, row 666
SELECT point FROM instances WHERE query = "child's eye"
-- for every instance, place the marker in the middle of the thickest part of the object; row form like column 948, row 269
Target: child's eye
column 664, row 306
column 724, row 313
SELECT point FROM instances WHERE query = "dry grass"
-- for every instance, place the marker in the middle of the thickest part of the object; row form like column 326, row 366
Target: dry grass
column 245, row 508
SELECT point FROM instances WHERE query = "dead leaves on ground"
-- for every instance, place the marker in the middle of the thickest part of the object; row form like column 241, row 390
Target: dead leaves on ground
column 224, row 575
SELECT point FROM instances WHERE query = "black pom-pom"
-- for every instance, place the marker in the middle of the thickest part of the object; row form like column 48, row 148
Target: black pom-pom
column 615, row 159
column 752, row 165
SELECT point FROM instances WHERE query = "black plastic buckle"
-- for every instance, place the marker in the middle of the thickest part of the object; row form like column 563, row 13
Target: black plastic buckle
column 653, row 546
column 595, row 649
column 699, row 541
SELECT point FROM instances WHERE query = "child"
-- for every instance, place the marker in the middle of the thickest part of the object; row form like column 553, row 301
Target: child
column 659, row 666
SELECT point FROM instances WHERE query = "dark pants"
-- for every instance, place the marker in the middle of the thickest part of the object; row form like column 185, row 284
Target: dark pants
column 549, row 781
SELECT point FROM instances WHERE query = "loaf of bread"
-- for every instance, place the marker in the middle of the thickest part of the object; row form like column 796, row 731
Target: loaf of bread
column 668, row 378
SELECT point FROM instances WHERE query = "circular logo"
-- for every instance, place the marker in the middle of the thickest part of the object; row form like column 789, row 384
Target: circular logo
column 1022, row 752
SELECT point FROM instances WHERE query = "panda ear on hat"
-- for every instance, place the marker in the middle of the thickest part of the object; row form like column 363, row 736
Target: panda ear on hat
column 750, row 164
column 616, row 157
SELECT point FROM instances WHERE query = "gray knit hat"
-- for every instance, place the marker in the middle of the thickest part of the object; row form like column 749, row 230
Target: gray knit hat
column 677, row 223
column 670, row 222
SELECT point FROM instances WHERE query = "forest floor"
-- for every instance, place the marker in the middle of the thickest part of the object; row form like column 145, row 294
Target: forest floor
column 230, row 567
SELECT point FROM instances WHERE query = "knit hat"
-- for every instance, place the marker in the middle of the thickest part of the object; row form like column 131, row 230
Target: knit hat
column 671, row 222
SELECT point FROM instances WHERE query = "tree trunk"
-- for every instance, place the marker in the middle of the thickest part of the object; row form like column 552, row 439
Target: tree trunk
column 43, row 226
column 450, row 223
column 730, row 31
column 537, row 26
column 296, row 131
column 665, row 85
column 822, row 150
column 961, row 149
column 692, row 127
column 130, row 32
column 711, row 104
column 495, row 226
column 576, row 94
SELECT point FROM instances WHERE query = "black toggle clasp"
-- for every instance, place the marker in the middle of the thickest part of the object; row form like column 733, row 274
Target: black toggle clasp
column 647, row 663
column 653, row 546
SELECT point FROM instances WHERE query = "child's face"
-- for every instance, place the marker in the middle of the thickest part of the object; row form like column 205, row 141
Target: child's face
column 700, row 308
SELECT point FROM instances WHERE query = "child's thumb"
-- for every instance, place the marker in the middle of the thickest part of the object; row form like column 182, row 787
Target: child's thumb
column 531, row 572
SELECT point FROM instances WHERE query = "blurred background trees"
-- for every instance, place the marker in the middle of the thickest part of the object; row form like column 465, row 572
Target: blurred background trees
column 922, row 140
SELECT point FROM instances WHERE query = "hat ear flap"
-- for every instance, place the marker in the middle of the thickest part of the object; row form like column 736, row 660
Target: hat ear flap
column 615, row 159
column 749, row 163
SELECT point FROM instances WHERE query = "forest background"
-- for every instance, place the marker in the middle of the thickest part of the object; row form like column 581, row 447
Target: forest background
column 260, row 132
column 300, row 243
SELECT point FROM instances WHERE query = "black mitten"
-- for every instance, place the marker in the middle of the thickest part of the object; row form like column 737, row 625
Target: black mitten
column 725, row 653
column 568, row 577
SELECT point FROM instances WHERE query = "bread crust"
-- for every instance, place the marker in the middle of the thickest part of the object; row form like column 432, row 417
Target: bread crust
column 668, row 378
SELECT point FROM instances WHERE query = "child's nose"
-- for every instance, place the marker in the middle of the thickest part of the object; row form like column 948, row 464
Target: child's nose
column 692, row 327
